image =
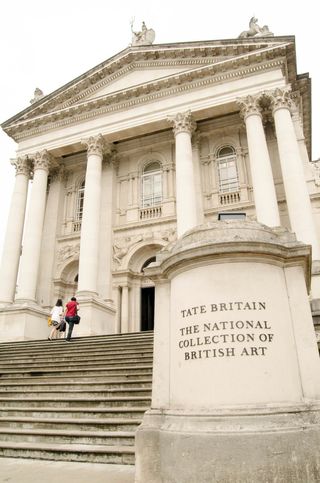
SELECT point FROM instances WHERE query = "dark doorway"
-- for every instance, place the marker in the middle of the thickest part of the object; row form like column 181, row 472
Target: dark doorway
column 147, row 308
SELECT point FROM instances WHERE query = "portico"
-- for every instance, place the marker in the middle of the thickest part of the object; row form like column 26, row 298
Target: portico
column 127, row 168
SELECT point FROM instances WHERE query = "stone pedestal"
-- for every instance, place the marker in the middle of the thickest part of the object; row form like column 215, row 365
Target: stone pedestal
column 23, row 322
column 97, row 317
column 236, row 388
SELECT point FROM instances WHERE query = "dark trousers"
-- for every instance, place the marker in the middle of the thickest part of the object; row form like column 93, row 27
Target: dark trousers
column 71, row 324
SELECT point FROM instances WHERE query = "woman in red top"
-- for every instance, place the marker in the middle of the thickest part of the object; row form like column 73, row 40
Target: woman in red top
column 72, row 308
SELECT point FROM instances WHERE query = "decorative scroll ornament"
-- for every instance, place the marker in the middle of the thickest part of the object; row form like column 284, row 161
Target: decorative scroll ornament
column 96, row 145
column 255, row 30
column 280, row 98
column 182, row 122
column 22, row 165
column 144, row 37
column 249, row 105
column 43, row 160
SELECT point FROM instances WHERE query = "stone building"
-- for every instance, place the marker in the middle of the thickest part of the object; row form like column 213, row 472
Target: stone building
column 152, row 142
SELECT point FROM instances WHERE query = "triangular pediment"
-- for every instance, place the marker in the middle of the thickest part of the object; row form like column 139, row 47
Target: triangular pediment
column 139, row 71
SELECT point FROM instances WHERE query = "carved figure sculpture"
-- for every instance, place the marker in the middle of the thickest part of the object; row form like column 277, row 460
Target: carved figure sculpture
column 255, row 30
column 38, row 94
column 144, row 37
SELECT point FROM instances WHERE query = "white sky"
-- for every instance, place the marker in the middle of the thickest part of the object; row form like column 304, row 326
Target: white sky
column 48, row 43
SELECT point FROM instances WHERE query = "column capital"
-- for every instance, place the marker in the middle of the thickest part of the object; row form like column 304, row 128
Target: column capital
column 43, row 160
column 22, row 165
column 249, row 105
column 280, row 99
column 182, row 122
column 96, row 145
column 58, row 173
column 110, row 156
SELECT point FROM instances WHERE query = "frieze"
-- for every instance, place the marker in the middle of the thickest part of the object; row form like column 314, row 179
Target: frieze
column 124, row 99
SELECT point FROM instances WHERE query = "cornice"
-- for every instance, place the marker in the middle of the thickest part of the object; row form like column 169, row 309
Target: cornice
column 173, row 54
column 152, row 91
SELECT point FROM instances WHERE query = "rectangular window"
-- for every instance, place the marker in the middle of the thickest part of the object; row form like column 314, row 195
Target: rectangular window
column 151, row 190
column 79, row 205
column 228, row 176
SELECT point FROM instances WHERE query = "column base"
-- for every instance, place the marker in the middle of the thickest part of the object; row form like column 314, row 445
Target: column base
column 23, row 322
column 268, row 445
column 97, row 316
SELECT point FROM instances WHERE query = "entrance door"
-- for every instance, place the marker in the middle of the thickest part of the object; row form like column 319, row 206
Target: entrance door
column 147, row 308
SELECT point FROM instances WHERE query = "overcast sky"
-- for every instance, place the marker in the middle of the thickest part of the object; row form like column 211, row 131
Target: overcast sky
column 48, row 43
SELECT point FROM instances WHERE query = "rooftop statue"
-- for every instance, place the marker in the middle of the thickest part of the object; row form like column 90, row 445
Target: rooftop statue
column 144, row 37
column 255, row 30
column 38, row 94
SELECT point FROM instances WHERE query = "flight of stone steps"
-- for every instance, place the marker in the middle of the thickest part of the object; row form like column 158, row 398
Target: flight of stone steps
column 74, row 401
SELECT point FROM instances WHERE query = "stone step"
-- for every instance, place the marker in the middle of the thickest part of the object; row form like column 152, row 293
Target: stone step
column 103, row 359
column 63, row 436
column 93, row 341
column 106, row 370
column 34, row 386
column 67, row 349
column 74, row 393
column 77, row 413
column 75, row 402
column 67, row 452
column 85, row 424
column 65, row 356
column 110, row 362
column 78, row 401
column 77, row 378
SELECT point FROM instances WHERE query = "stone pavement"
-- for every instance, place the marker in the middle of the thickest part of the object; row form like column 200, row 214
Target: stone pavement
column 13, row 470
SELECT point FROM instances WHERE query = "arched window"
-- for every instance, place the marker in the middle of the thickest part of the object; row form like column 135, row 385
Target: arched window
column 151, row 185
column 79, row 203
column 227, row 169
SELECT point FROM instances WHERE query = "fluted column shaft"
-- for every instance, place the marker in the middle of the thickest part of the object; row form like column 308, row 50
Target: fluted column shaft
column 89, row 244
column 197, row 177
column 297, row 196
column 186, row 200
column 262, row 179
column 29, row 264
column 13, row 239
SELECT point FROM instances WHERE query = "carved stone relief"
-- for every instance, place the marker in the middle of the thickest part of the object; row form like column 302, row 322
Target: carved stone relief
column 66, row 252
column 122, row 245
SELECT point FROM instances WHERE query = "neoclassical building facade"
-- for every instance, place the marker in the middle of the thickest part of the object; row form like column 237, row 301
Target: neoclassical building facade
column 140, row 149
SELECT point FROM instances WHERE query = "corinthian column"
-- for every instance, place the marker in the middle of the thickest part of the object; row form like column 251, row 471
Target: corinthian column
column 89, row 243
column 12, row 243
column 262, row 179
column 186, row 199
column 29, row 264
column 297, row 196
